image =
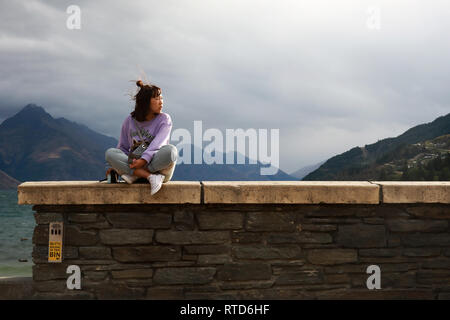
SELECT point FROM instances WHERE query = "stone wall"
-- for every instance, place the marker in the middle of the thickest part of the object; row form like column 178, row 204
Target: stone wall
column 292, row 241
column 246, row 251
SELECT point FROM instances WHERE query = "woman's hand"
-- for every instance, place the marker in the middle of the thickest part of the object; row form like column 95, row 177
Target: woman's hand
column 137, row 164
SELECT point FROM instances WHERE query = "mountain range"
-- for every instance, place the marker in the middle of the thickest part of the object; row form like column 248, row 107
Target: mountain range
column 226, row 172
column 36, row 147
column 390, row 158
column 7, row 182
column 302, row 172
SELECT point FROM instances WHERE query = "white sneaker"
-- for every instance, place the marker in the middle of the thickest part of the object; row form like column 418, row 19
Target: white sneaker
column 156, row 181
column 129, row 179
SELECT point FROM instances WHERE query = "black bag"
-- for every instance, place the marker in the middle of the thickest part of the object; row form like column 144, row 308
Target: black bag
column 136, row 152
column 113, row 177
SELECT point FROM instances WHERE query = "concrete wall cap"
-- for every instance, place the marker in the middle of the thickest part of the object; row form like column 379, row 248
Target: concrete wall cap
column 291, row 192
column 93, row 192
column 415, row 191
column 229, row 192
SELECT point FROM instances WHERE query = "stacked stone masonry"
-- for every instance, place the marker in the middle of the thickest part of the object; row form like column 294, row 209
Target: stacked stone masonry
column 243, row 240
column 245, row 251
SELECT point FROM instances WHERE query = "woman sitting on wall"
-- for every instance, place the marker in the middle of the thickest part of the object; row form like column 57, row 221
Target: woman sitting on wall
column 157, row 162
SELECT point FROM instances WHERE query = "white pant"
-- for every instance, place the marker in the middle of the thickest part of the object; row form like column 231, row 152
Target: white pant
column 165, row 158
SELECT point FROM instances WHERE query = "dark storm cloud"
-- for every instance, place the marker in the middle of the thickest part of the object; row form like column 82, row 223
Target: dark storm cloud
column 314, row 70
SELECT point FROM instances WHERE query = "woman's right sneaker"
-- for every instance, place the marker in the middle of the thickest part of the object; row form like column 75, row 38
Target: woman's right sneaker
column 156, row 181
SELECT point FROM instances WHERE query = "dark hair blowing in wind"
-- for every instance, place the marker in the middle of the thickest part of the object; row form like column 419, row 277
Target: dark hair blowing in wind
column 142, row 98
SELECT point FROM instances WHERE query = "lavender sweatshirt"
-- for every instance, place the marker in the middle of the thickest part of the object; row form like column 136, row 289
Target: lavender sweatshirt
column 157, row 131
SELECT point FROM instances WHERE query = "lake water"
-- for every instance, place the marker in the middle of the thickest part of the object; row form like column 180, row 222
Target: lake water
column 16, row 233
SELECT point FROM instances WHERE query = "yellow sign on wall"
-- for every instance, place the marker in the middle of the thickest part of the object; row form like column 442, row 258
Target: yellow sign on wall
column 55, row 242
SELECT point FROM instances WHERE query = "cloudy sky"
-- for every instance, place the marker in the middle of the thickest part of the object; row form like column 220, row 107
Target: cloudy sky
column 330, row 75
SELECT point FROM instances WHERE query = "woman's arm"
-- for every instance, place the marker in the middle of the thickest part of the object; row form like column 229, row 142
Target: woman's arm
column 162, row 138
column 124, row 144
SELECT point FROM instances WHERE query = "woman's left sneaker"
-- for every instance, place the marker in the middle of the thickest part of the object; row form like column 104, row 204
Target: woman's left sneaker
column 129, row 179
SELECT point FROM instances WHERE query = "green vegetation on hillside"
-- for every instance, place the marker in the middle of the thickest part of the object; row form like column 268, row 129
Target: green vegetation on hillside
column 420, row 153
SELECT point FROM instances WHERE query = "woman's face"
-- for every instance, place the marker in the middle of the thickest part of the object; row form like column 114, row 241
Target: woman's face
column 156, row 104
